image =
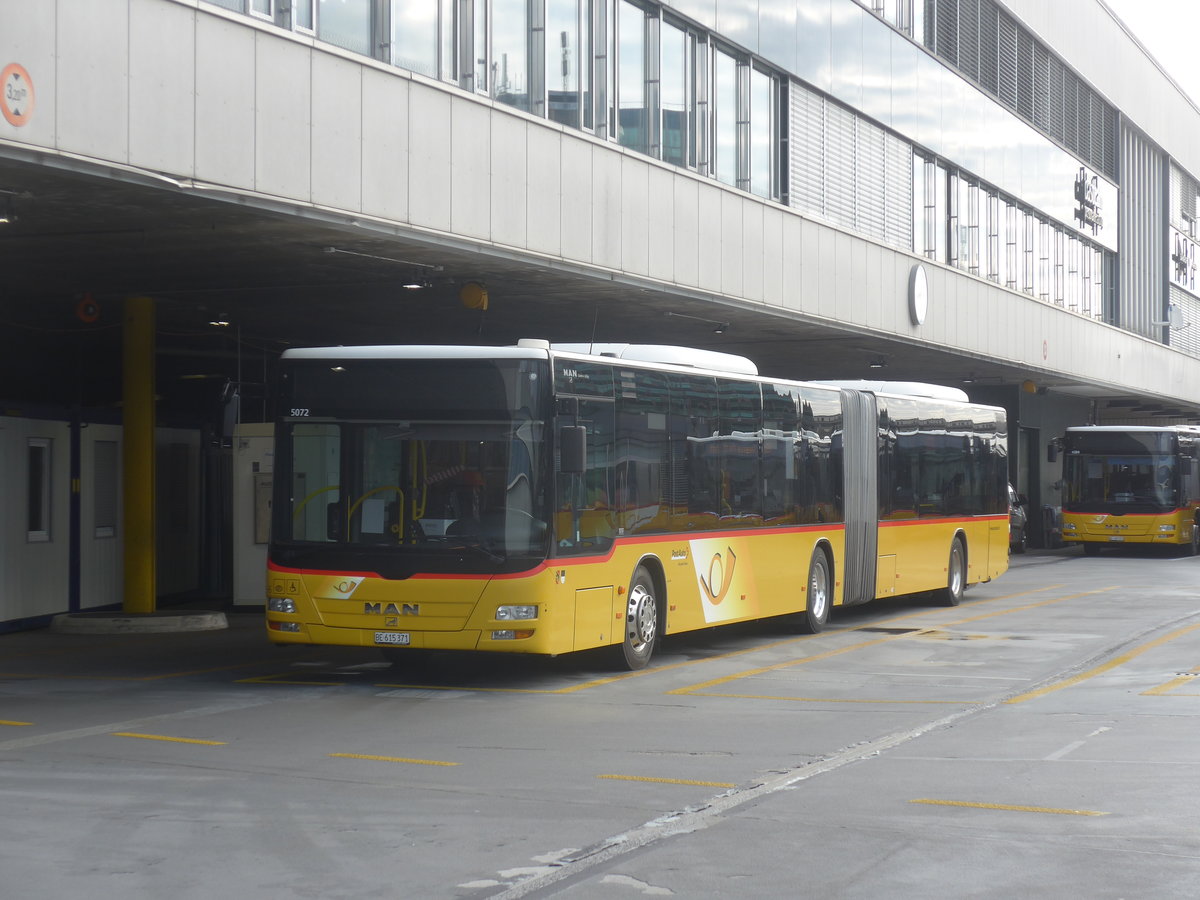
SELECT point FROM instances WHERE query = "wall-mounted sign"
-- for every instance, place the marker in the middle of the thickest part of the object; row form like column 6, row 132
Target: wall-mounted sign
column 1184, row 257
column 1089, row 211
column 16, row 94
column 918, row 294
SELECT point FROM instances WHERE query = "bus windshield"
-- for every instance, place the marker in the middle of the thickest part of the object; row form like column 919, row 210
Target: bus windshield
column 1120, row 473
column 390, row 468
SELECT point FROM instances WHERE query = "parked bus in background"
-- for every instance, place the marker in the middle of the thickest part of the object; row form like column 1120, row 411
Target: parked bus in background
column 1131, row 485
column 538, row 499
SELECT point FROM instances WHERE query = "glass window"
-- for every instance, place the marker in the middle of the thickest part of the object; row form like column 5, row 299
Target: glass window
column 37, row 506
column 105, row 478
column 415, row 36
column 631, row 77
column 263, row 8
column 303, row 14
column 994, row 259
column 675, row 62
column 448, row 42
column 565, row 53
column 724, row 117
column 971, row 255
column 762, row 132
column 480, row 43
column 510, row 52
column 346, row 23
column 1012, row 237
column 954, row 224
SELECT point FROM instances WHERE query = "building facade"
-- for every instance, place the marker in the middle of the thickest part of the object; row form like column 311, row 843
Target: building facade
column 1001, row 195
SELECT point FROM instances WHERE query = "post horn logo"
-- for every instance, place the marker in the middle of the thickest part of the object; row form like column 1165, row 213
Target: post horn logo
column 720, row 572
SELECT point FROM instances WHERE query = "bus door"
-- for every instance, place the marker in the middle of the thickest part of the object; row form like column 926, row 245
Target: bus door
column 860, row 439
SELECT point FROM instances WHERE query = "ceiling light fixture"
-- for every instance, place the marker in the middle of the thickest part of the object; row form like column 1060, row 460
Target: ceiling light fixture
column 719, row 327
column 221, row 321
column 877, row 363
column 402, row 262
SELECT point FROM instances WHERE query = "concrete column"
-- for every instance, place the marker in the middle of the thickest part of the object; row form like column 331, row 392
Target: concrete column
column 138, row 459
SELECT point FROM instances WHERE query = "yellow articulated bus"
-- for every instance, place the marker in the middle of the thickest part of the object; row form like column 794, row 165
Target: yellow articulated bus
column 546, row 499
column 1131, row 485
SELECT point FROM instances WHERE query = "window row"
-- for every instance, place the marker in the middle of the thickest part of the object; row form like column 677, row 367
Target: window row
column 962, row 222
column 625, row 71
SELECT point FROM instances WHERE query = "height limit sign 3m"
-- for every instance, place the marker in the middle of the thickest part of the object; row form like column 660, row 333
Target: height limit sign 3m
column 16, row 94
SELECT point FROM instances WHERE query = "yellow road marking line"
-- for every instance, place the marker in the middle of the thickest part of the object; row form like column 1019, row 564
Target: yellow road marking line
column 163, row 737
column 761, row 670
column 720, row 784
column 1009, row 808
column 10, row 722
column 1101, row 669
column 1172, row 684
column 398, row 759
column 827, row 699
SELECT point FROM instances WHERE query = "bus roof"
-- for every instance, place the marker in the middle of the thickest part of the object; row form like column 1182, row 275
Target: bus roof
column 903, row 389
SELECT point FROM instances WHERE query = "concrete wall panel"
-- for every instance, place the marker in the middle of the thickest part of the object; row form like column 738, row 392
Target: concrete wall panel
column 635, row 216
column 337, row 132
column 282, row 118
column 225, row 103
column 605, row 204
column 730, row 251
column 576, row 180
column 685, row 236
column 543, row 179
column 660, row 223
column 92, row 86
column 710, row 235
column 750, row 244
column 385, row 153
column 470, row 175
column 429, row 146
column 510, row 181
column 162, row 87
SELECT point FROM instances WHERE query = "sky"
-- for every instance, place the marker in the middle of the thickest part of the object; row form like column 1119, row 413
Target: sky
column 1170, row 30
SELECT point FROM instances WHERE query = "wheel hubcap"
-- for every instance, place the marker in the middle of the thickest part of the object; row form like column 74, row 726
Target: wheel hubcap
column 641, row 619
column 956, row 575
column 818, row 593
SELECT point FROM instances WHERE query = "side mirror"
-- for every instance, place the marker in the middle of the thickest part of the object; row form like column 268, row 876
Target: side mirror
column 1051, row 453
column 572, row 449
column 1186, row 465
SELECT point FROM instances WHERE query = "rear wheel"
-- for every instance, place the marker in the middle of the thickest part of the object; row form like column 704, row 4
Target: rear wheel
column 956, row 575
column 818, row 596
column 641, row 620
column 1021, row 542
column 1194, row 549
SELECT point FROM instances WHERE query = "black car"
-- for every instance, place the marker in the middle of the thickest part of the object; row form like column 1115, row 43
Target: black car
column 1018, row 521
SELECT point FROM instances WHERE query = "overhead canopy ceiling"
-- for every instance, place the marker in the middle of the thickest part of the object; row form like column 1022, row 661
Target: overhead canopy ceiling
column 80, row 243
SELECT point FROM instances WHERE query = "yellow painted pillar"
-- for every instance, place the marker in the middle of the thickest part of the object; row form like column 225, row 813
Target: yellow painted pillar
column 138, row 390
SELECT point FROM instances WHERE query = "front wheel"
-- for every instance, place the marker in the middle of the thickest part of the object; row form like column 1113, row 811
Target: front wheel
column 641, row 621
column 956, row 575
column 1194, row 547
column 817, row 595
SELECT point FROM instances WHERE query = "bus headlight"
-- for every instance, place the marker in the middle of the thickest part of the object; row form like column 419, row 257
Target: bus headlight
column 516, row 612
column 281, row 604
column 511, row 635
column 1069, row 526
column 1166, row 527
